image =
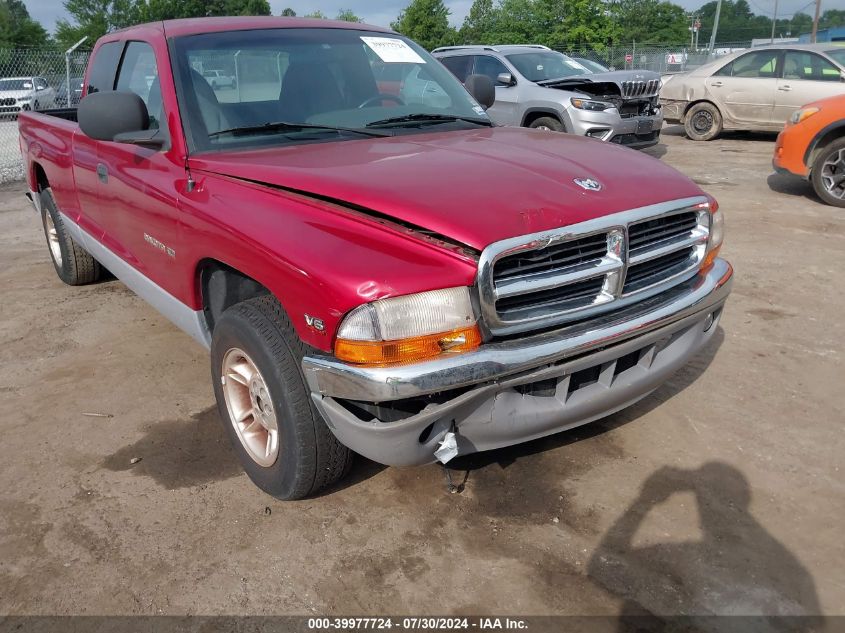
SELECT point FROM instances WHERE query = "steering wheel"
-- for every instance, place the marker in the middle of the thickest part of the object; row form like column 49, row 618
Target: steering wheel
column 381, row 97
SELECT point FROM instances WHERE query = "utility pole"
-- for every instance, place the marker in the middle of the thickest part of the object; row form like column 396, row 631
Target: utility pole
column 774, row 21
column 816, row 22
column 716, row 25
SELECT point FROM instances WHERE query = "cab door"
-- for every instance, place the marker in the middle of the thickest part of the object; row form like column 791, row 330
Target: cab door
column 506, row 107
column 139, row 186
column 745, row 89
column 806, row 77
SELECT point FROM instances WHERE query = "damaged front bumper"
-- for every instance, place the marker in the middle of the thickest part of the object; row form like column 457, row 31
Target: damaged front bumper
column 511, row 391
column 637, row 132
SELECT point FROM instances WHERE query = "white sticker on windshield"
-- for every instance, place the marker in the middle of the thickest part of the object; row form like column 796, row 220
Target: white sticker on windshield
column 393, row 50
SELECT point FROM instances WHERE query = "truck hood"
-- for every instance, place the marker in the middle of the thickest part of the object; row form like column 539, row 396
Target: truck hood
column 474, row 187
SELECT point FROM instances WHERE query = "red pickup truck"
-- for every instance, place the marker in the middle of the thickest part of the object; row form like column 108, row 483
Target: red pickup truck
column 374, row 267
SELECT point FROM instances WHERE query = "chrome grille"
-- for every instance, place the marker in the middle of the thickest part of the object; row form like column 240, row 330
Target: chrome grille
column 640, row 88
column 574, row 272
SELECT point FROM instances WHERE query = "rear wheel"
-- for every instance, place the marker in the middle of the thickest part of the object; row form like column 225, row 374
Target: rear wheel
column 703, row 122
column 73, row 264
column 828, row 173
column 547, row 123
column 282, row 442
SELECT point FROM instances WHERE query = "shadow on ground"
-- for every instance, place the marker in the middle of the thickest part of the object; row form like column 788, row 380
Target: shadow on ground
column 792, row 186
column 179, row 453
column 736, row 568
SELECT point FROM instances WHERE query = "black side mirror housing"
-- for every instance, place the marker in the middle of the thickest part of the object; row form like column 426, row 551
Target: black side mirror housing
column 120, row 117
column 482, row 89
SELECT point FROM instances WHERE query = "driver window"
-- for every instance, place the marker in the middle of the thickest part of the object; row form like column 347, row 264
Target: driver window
column 490, row 66
column 139, row 74
column 808, row 66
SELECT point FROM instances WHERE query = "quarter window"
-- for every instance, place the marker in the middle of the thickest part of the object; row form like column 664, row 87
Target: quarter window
column 104, row 67
column 809, row 66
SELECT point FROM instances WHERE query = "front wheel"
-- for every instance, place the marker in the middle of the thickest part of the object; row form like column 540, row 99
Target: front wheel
column 828, row 174
column 547, row 123
column 703, row 122
column 282, row 442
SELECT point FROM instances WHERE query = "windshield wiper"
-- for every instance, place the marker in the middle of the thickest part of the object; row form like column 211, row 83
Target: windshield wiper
column 286, row 126
column 428, row 118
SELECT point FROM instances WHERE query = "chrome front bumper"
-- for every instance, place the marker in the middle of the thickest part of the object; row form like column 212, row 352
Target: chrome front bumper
column 486, row 395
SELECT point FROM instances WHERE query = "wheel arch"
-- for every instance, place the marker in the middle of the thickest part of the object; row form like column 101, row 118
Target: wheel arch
column 822, row 139
column 220, row 286
column 696, row 102
column 532, row 114
column 38, row 177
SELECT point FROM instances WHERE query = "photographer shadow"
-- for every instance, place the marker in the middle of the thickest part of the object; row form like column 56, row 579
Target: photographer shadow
column 736, row 569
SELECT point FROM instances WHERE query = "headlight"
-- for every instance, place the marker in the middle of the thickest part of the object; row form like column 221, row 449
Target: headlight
column 803, row 113
column 409, row 328
column 589, row 104
column 717, row 234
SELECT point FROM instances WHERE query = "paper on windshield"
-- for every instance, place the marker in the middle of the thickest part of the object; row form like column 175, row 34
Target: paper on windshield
column 393, row 50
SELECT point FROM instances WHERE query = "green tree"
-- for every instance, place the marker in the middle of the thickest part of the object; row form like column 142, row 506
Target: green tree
column 480, row 23
column 288, row 13
column 346, row 15
column 649, row 21
column 318, row 15
column 427, row 23
column 17, row 28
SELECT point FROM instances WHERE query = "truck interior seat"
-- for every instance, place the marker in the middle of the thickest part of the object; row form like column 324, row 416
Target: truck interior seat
column 316, row 92
column 209, row 108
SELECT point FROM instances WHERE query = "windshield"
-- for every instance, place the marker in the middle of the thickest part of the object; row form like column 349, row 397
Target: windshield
column 340, row 84
column 838, row 54
column 545, row 65
column 15, row 84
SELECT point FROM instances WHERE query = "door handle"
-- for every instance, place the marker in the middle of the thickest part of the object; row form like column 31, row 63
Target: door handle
column 102, row 173
column 716, row 84
column 785, row 88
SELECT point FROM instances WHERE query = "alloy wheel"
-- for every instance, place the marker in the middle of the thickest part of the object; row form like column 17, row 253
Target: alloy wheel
column 250, row 407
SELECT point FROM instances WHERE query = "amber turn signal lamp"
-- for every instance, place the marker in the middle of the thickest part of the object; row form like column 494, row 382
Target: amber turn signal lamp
column 407, row 350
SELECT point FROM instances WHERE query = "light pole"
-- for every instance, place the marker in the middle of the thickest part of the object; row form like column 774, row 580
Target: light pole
column 774, row 21
column 715, row 26
column 67, row 67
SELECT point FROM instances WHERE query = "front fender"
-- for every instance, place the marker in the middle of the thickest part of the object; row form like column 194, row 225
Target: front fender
column 319, row 259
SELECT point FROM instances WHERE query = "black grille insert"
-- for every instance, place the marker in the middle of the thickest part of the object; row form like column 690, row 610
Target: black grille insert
column 648, row 234
column 569, row 254
column 568, row 297
column 654, row 270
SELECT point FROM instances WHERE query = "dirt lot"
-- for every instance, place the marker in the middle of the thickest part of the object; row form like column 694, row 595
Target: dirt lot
column 723, row 492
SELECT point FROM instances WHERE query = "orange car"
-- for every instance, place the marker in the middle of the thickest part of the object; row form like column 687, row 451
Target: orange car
column 812, row 145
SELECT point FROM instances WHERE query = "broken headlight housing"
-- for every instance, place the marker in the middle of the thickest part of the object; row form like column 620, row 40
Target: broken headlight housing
column 591, row 104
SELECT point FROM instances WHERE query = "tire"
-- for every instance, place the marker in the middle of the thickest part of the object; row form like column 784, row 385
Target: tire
column 73, row 264
column 703, row 122
column 35, row 106
column 307, row 456
column 547, row 123
column 828, row 166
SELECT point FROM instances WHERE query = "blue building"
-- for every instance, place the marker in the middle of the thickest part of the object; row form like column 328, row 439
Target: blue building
column 834, row 34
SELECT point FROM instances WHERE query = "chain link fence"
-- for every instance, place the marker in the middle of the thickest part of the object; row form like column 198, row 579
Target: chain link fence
column 34, row 79
column 661, row 58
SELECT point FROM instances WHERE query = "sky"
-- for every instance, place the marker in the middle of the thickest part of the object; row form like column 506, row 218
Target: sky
column 383, row 12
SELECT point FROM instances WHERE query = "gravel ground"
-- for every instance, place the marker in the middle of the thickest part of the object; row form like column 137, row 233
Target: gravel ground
column 721, row 493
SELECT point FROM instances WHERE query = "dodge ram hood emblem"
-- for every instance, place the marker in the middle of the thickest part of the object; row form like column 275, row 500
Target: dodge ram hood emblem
column 588, row 183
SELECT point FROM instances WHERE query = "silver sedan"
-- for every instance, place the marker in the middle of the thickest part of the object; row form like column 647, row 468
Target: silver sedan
column 755, row 89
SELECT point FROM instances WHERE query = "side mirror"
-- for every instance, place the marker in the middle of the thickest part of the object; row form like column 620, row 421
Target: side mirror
column 505, row 79
column 482, row 89
column 120, row 117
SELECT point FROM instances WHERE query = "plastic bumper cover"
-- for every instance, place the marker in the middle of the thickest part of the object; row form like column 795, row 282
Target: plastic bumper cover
column 513, row 391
